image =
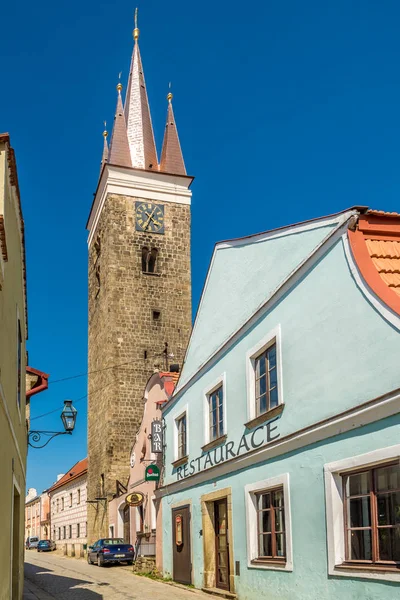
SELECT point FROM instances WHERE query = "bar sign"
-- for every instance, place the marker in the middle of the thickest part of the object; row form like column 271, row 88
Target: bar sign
column 156, row 437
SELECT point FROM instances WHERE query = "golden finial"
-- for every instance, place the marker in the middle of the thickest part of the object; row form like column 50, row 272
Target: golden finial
column 105, row 132
column 136, row 30
column 119, row 86
column 169, row 95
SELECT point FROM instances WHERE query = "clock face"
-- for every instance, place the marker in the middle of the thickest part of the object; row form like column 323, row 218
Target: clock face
column 149, row 217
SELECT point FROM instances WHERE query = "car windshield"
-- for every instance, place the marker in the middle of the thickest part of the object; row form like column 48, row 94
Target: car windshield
column 114, row 541
column 44, row 542
column 34, row 539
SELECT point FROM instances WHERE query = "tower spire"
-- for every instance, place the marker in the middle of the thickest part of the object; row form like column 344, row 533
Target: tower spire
column 119, row 147
column 137, row 113
column 171, row 154
column 104, row 157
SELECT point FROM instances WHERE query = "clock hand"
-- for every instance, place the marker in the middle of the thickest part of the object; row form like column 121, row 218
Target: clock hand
column 148, row 220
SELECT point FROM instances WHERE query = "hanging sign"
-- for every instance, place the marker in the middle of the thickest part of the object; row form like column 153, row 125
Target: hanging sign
column 152, row 473
column 156, row 437
column 135, row 499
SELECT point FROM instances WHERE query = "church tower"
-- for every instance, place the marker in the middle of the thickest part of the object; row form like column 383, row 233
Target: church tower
column 139, row 284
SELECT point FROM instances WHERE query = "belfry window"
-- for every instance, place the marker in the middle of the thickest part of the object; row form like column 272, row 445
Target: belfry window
column 149, row 260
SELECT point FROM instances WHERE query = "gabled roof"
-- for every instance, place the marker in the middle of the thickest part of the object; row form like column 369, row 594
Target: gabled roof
column 80, row 468
column 250, row 271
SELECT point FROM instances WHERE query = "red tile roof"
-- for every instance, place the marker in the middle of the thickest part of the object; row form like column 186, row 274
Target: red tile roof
column 79, row 469
column 375, row 245
column 171, row 379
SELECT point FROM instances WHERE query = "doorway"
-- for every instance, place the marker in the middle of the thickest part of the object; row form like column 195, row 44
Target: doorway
column 127, row 523
column 181, row 554
column 16, row 544
column 221, row 544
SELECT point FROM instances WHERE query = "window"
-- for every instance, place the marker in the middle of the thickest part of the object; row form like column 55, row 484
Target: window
column 78, row 530
column 59, row 533
column 271, row 524
column 362, row 498
column 54, row 533
column 70, row 531
column 264, row 379
column 269, row 537
column 140, row 519
column 111, row 531
column 216, row 414
column 266, row 382
column 70, row 499
column 19, row 358
column 181, row 430
column 62, row 503
column 153, row 516
column 156, row 315
column 58, row 504
column 78, row 496
column 372, row 515
column 64, row 532
column 149, row 260
column 102, row 485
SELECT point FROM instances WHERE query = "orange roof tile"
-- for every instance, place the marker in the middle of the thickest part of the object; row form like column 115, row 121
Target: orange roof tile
column 386, row 258
column 171, row 379
column 79, row 468
column 375, row 245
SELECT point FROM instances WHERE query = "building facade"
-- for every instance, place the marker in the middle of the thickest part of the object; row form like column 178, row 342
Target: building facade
column 141, row 525
column 32, row 514
column 13, row 327
column 282, row 439
column 68, row 509
column 139, row 284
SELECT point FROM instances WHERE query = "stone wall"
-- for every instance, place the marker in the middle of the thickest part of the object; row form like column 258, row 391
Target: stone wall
column 123, row 331
column 144, row 564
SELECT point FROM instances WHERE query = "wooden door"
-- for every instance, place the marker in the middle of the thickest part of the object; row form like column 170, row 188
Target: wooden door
column 221, row 544
column 127, row 524
column 181, row 554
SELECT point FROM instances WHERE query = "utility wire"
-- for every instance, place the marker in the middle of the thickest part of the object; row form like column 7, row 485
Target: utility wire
column 74, row 401
column 89, row 373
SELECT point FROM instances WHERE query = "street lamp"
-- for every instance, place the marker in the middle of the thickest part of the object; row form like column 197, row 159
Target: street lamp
column 68, row 417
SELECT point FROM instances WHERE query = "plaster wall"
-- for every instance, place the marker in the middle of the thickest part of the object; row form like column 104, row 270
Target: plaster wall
column 309, row 579
column 70, row 515
column 13, row 430
column 337, row 352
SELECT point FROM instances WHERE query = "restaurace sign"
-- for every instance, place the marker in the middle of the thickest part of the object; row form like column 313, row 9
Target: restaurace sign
column 257, row 438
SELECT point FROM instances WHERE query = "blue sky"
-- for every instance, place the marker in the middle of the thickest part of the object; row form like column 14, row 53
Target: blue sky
column 286, row 111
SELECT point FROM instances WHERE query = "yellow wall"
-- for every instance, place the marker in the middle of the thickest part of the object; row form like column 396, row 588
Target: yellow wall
column 13, row 430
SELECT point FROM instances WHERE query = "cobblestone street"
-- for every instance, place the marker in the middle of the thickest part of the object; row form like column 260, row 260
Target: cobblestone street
column 50, row 576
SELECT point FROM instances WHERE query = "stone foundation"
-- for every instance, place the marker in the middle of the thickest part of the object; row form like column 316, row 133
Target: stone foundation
column 144, row 564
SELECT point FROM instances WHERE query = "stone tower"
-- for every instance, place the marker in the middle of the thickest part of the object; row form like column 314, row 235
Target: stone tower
column 139, row 284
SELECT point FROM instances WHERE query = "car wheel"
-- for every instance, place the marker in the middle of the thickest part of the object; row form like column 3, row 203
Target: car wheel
column 100, row 561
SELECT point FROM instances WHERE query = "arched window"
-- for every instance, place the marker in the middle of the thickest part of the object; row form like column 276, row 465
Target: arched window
column 149, row 260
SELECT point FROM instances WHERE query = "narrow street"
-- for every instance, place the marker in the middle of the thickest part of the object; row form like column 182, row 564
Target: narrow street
column 50, row 576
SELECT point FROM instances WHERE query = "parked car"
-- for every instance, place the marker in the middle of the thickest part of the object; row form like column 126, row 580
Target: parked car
column 32, row 542
column 110, row 550
column 46, row 546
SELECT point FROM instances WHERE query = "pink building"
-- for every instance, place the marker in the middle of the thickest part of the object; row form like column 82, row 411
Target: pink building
column 32, row 514
column 141, row 525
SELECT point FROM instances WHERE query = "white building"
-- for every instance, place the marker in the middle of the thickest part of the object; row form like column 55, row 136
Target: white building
column 69, row 510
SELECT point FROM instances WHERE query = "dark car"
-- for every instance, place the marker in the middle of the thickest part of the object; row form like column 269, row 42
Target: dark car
column 110, row 550
column 46, row 546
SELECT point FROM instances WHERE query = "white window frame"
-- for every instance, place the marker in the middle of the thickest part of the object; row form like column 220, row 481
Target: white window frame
column 176, row 418
column 333, row 473
column 250, row 491
column 220, row 381
column 273, row 337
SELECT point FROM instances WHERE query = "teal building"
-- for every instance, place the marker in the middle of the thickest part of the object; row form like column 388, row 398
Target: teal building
column 282, row 440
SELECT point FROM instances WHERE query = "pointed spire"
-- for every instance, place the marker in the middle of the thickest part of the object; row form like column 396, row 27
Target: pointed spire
column 171, row 154
column 119, row 147
column 104, row 158
column 137, row 113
